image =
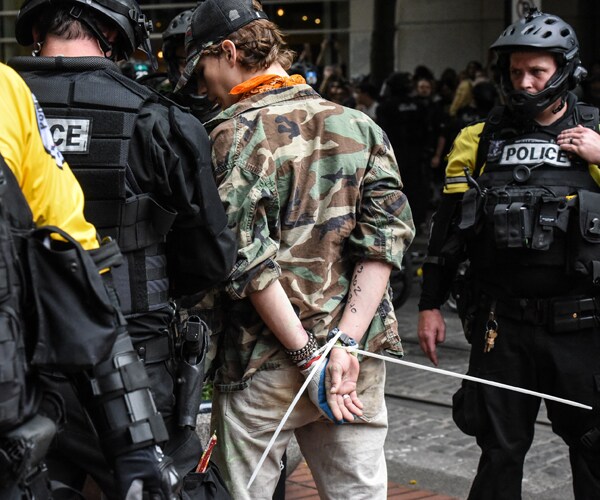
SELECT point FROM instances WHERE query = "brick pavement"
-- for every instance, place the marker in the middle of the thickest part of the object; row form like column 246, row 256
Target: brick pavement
column 300, row 485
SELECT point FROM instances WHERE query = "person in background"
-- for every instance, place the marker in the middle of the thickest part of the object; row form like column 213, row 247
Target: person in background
column 398, row 116
column 463, row 95
column 366, row 95
column 173, row 49
column 428, row 123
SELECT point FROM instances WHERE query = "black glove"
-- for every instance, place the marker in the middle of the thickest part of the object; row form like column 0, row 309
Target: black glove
column 146, row 474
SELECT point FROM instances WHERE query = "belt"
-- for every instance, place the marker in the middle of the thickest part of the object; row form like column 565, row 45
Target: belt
column 154, row 350
column 559, row 313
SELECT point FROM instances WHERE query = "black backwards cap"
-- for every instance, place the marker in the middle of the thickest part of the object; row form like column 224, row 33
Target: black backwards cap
column 212, row 21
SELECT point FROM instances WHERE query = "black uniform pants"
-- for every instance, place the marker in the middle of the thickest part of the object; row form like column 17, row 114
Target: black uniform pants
column 527, row 355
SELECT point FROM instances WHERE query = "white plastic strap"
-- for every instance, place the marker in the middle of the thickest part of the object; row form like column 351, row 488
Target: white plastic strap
column 316, row 367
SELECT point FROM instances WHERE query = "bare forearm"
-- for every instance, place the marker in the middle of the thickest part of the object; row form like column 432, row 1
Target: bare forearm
column 367, row 287
column 369, row 282
column 275, row 309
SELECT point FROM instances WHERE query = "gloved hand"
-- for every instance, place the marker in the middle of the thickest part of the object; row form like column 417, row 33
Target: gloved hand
column 146, row 473
column 333, row 388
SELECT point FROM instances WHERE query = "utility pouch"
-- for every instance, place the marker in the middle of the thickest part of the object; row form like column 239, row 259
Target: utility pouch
column 24, row 448
column 74, row 311
column 573, row 315
column 471, row 206
column 585, row 243
column 513, row 225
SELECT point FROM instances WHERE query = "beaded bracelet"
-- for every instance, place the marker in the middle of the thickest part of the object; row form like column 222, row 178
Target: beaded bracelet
column 310, row 347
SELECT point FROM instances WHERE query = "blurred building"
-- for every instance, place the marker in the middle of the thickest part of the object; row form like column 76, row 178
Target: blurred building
column 437, row 33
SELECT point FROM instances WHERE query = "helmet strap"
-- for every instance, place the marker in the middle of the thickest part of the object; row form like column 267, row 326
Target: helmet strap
column 558, row 109
column 77, row 12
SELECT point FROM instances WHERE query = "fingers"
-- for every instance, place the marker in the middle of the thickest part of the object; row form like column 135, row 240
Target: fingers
column 571, row 138
column 346, row 407
column 352, row 405
column 582, row 141
column 431, row 331
column 354, row 400
column 428, row 346
column 341, row 377
column 432, row 355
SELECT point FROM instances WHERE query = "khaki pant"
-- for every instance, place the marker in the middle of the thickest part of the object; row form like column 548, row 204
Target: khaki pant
column 347, row 461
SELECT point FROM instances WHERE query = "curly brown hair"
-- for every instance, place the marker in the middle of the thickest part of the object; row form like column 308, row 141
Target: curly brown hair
column 261, row 44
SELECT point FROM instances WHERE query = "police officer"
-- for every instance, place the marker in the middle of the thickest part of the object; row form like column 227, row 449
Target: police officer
column 38, row 188
column 524, row 210
column 144, row 164
column 173, row 49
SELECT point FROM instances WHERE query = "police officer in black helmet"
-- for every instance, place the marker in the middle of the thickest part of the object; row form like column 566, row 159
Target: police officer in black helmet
column 173, row 49
column 144, row 164
column 521, row 203
column 44, row 321
column 173, row 45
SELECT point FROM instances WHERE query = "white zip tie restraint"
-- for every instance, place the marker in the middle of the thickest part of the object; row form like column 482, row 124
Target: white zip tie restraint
column 324, row 352
column 355, row 349
column 468, row 377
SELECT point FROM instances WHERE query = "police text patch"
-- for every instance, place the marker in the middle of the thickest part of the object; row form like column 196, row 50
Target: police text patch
column 530, row 153
column 46, row 135
column 71, row 135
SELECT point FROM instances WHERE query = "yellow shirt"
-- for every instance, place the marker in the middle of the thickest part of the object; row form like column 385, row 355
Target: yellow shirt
column 48, row 184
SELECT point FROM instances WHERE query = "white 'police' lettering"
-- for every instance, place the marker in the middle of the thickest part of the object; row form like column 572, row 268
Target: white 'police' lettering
column 534, row 153
column 46, row 135
column 71, row 135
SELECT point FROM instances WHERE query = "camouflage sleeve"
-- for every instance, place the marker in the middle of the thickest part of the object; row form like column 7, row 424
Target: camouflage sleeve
column 248, row 193
column 384, row 227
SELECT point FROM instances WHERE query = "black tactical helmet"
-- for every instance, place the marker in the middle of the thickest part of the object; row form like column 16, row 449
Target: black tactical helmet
column 173, row 37
column 125, row 15
column 178, row 25
column 544, row 32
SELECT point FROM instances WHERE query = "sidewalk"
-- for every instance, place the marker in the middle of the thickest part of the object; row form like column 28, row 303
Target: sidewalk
column 300, row 485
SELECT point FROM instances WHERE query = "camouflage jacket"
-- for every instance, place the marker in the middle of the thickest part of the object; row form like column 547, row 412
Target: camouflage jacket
column 310, row 188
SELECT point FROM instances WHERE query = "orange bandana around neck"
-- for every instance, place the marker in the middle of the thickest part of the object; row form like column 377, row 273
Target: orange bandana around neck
column 264, row 83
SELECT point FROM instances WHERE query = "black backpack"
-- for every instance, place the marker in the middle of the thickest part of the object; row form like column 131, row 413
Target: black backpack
column 13, row 357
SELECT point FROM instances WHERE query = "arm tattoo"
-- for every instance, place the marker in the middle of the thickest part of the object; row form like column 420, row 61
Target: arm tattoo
column 355, row 289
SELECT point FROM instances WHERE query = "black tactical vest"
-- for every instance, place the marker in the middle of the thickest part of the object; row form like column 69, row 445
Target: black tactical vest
column 91, row 109
column 534, row 205
column 17, row 399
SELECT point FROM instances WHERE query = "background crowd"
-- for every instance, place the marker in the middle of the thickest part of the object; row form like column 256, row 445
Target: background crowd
column 421, row 113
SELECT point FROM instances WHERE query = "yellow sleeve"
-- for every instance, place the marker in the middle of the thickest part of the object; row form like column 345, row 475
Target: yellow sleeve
column 595, row 169
column 48, row 184
column 463, row 154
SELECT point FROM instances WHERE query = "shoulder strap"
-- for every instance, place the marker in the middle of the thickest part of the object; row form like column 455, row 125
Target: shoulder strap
column 492, row 124
column 587, row 115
